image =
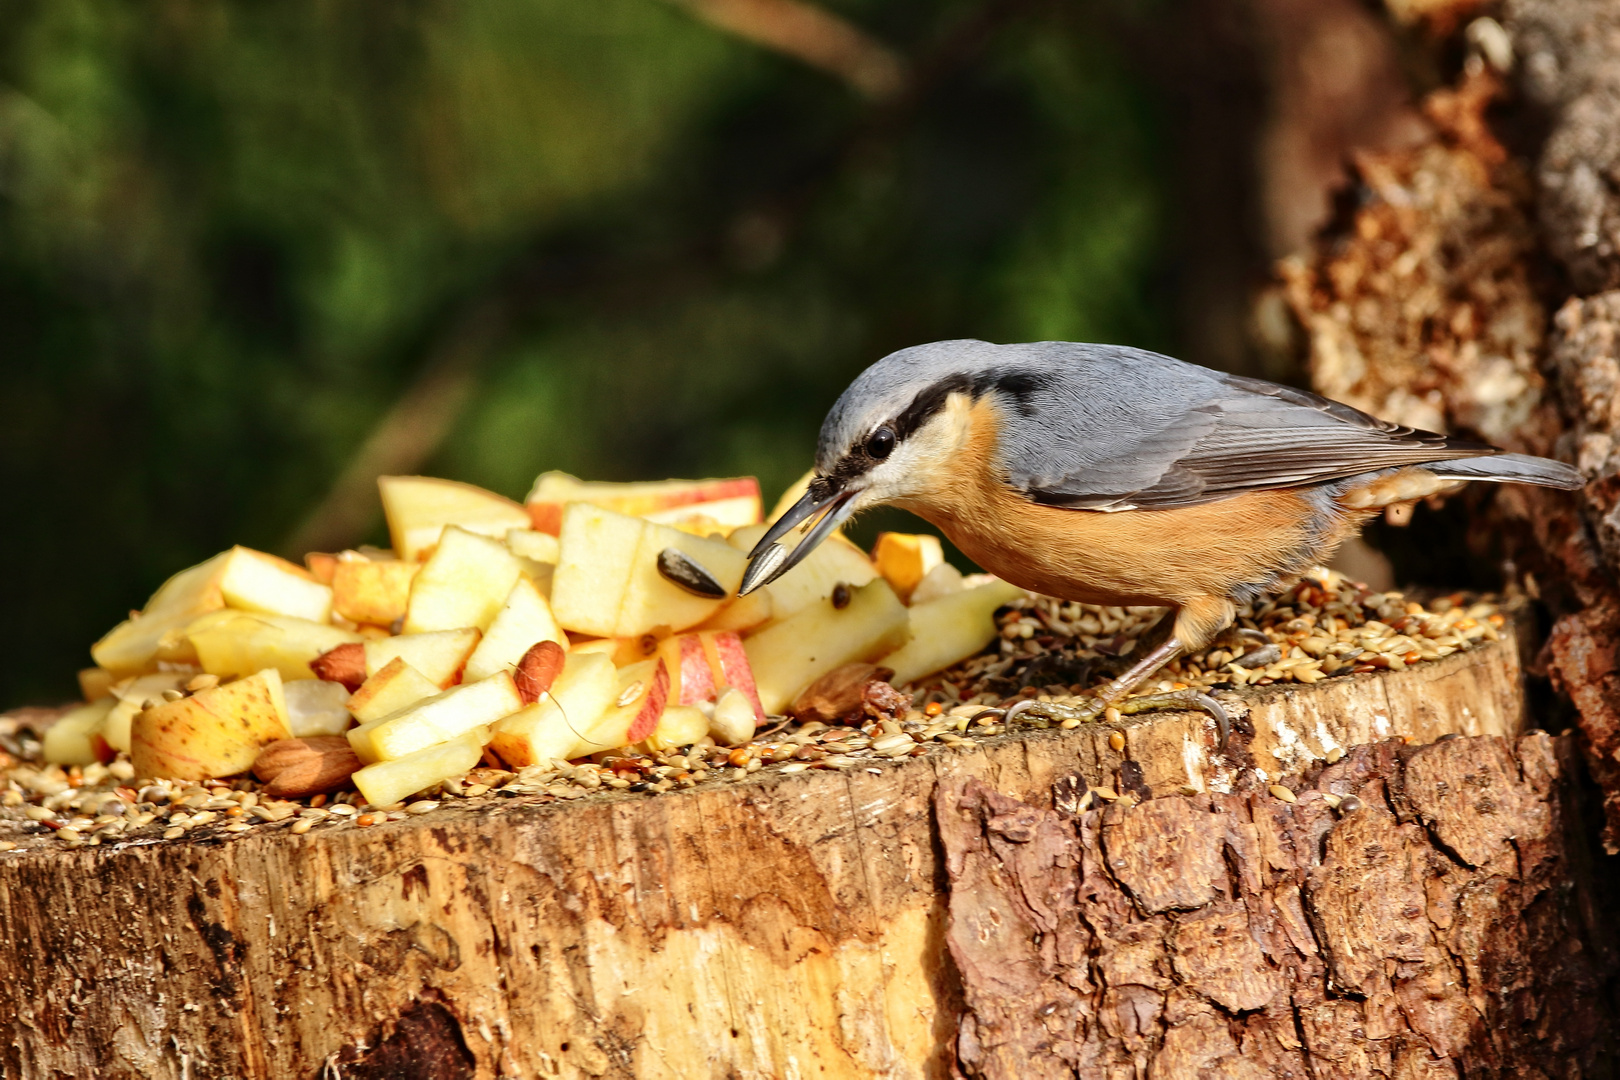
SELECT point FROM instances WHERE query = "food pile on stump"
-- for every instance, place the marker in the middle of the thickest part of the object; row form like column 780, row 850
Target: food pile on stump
column 590, row 640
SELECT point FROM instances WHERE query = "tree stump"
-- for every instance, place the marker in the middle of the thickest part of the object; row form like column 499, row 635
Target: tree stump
column 876, row 922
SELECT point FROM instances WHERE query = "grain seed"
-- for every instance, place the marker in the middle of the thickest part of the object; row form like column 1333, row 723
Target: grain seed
column 1280, row 792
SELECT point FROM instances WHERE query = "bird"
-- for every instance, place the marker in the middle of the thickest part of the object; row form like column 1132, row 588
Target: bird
column 1106, row 474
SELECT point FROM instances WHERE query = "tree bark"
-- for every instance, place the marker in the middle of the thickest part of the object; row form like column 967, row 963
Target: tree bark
column 810, row 924
column 1430, row 306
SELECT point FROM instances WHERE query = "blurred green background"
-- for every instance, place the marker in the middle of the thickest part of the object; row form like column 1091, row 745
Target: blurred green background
column 623, row 238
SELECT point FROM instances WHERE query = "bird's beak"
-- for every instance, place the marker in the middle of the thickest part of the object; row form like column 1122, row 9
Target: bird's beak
column 770, row 559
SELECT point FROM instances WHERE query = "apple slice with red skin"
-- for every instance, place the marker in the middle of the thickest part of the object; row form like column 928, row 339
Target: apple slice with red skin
column 634, row 719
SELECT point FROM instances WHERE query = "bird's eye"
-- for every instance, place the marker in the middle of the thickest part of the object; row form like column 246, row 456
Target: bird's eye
column 880, row 443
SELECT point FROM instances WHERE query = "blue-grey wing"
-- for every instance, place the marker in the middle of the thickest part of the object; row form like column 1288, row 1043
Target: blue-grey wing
column 1113, row 429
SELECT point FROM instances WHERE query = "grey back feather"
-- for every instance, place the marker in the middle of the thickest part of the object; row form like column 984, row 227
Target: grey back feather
column 1106, row 427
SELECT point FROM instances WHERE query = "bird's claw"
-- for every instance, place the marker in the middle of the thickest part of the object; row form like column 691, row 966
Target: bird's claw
column 1089, row 710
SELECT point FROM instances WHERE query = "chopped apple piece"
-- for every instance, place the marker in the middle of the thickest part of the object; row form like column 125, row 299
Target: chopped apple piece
column 533, row 544
column 96, row 683
column 742, row 613
column 387, row 782
column 680, row 725
column 738, row 498
column 132, row 646
column 949, row 629
column 464, row 583
column 213, row 733
column 691, row 678
column 942, row 580
column 523, row 622
column 733, row 722
column 391, row 689
column 548, row 730
column 610, row 648
column 322, row 565
column 608, row 582
column 643, row 691
column 704, row 665
column 904, row 559
column 75, row 739
column 728, row 657
column 315, row 707
column 370, row 592
column 703, row 518
column 132, row 695
column 445, row 716
column 835, row 561
column 254, row 581
column 789, row 655
column 238, row 643
column 440, row 655
column 419, row 507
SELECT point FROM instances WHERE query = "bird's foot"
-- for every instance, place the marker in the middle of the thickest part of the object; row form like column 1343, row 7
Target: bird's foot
column 1089, row 710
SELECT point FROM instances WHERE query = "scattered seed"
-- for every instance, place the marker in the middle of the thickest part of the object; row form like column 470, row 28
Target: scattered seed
column 1107, row 794
column 1331, row 799
column 682, row 571
column 1349, row 804
column 343, row 810
column 426, row 806
column 1280, row 792
column 1335, row 755
column 1116, row 740
column 173, row 832
column 303, row 825
column 238, row 827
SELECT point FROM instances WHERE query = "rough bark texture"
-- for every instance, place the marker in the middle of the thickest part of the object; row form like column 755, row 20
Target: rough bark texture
column 797, row 925
column 1448, row 925
column 1428, row 307
column 1569, row 54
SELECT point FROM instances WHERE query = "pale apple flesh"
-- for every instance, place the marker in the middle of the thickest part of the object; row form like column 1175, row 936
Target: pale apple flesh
column 384, row 783
column 523, row 621
column 439, row 655
column 904, row 559
column 444, row 716
column 372, row 592
column 419, row 507
column 789, row 655
column 393, row 688
column 731, row 499
column 948, row 630
column 549, row 729
column 214, row 733
column 465, row 582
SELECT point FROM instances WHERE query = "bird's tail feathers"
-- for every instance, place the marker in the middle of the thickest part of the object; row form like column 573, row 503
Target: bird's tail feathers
column 1511, row 469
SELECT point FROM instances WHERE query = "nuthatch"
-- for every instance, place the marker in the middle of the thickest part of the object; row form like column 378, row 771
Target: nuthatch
column 1110, row 475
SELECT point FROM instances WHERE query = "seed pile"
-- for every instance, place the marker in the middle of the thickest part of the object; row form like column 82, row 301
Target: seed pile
column 1046, row 649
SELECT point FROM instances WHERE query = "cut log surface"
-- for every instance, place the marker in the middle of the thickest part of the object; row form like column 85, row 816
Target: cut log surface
column 875, row 922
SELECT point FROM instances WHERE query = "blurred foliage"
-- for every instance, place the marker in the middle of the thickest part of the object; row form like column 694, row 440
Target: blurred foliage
column 232, row 234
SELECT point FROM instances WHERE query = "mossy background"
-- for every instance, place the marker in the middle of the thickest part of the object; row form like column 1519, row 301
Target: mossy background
column 233, row 234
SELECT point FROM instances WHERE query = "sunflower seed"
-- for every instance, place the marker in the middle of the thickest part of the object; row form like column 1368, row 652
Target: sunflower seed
column 682, row 571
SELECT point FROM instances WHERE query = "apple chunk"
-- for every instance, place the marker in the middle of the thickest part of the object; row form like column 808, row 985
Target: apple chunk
column 522, row 623
column 464, row 583
column 608, row 582
column 315, row 707
column 386, row 782
column 704, row 665
column 789, row 655
column 213, row 733
column 445, row 716
column 643, row 691
column 834, row 562
column 730, row 501
column 391, row 689
column 440, row 655
column 374, row 593
column 419, row 507
column 132, row 695
column 75, row 738
column 254, row 581
column 548, row 730
column 949, row 629
column 238, row 643
column 904, row 559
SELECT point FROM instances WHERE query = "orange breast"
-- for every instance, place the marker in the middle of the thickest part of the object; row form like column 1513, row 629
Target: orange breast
column 1168, row 557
